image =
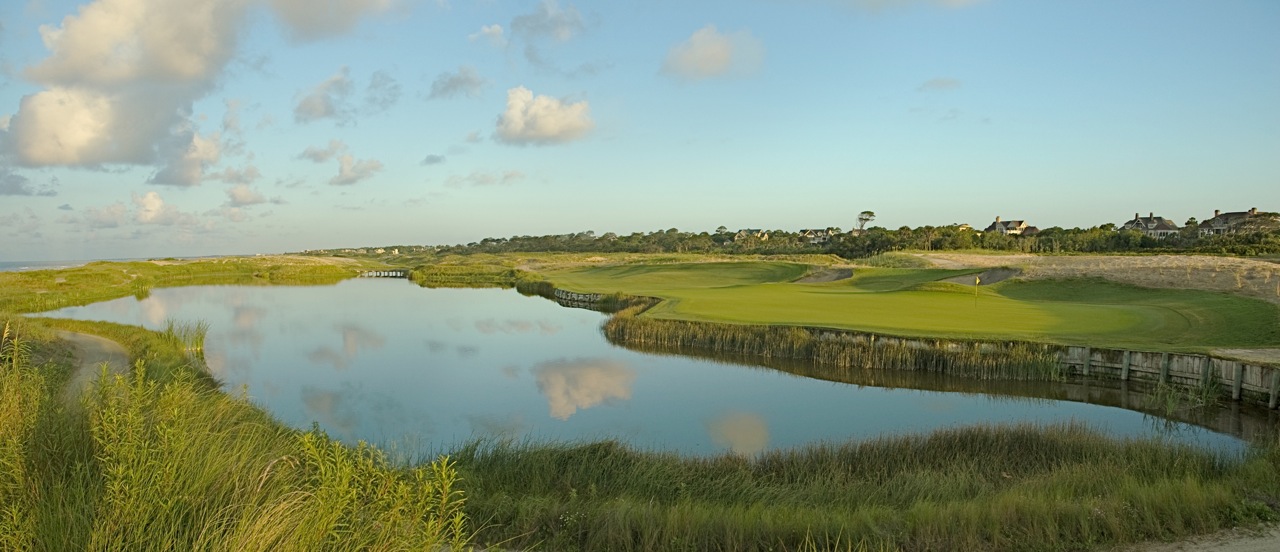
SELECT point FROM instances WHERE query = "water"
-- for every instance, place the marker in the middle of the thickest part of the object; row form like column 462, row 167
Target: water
column 425, row 369
column 22, row 266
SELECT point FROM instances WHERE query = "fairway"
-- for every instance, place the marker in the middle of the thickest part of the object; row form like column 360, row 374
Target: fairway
column 915, row 302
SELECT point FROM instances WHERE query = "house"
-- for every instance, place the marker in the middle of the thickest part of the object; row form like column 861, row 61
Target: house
column 1226, row 223
column 1012, row 228
column 1151, row 225
column 746, row 233
column 816, row 235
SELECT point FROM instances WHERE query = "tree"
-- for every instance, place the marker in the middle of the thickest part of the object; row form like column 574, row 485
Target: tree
column 721, row 229
column 863, row 218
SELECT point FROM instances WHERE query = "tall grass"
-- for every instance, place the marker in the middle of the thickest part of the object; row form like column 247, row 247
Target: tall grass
column 162, row 460
column 840, row 349
column 1060, row 487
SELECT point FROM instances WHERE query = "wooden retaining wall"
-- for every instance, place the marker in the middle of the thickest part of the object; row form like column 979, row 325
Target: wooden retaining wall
column 1240, row 381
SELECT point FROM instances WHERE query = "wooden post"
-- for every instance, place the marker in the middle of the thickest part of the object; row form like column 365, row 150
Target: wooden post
column 1124, row 367
column 1238, row 383
column 1204, row 373
column 1275, row 389
column 1088, row 359
column 1164, row 367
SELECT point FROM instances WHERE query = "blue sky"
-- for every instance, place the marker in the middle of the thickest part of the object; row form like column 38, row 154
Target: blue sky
column 139, row 128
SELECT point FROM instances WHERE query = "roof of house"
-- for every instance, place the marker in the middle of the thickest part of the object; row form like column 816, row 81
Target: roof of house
column 1151, row 222
column 1006, row 225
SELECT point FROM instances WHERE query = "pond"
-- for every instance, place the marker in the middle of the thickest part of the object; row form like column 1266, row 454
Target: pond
column 388, row 362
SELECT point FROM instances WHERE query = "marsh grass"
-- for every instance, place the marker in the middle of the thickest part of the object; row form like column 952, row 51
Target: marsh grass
column 838, row 349
column 1057, row 487
column 161, row 459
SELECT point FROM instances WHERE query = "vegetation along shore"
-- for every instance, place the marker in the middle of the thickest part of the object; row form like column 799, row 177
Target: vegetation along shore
column 129, row 466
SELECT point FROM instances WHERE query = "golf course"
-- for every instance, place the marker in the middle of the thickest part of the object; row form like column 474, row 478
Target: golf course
column 923, row 302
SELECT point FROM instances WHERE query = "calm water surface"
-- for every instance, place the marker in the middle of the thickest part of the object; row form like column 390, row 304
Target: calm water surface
column 391, row 363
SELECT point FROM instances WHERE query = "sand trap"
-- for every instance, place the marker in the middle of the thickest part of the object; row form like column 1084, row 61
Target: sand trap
column 988, row 277
column 827, row 275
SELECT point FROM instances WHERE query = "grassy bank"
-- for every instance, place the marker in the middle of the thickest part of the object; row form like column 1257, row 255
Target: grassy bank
column 1059, row 487
column 919, row 303
column 151, row 462
column 42, row 290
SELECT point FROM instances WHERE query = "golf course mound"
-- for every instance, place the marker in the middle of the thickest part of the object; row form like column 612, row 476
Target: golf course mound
column 987, row 277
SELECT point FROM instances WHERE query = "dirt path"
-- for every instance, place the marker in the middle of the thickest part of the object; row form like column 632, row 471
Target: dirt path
column 1266, row 539
column 91, row 351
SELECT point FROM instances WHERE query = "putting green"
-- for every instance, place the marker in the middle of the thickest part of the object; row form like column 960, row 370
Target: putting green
column 915, row 302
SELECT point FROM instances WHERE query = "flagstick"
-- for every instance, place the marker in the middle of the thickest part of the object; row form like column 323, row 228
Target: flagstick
column 976, row 280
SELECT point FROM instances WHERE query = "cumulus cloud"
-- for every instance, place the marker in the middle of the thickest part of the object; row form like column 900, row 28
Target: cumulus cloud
column 186, row 157
column 465, row 82
column 578, row 384
column 541, row 119
column 320, row 155
column 150, row 208
column 111, row 216
column 121, row 76
column 710, row 53
column 310, row 20
column 433, row 159
column 17, row 185
column 327, row 100
column 352, row 170
column 232, row 175
column 479, row 178
column 241, row 195
column 382, row 93
column 66, row 207
column 549, row 20
column 940, row 84
column 491, row 33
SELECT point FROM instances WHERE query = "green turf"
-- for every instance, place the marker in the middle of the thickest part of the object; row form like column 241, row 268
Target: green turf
column 915, row 302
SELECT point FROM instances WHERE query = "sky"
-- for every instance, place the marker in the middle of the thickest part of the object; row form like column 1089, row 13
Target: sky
column 153, row 128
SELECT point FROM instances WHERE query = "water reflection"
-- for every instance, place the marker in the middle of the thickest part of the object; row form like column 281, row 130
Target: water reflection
column 743, row 433
column 438, row 367
column 354, row 338
column 570, row 385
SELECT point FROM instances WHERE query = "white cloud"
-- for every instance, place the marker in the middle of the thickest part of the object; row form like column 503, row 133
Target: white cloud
column 185, row 158
column 327, row 100
column 492, row 33
column 382, row 93
column 542, row 119
column 466, row 82
column 549, row 20
column 151, row 209
column 351, row 170
column 111, row 216
column 232, row 175
column 479, row 178
column 940, row 84
column 312, row 19
column 241, row 195
column 121, row 77
column 710, row 53
column 320, row 155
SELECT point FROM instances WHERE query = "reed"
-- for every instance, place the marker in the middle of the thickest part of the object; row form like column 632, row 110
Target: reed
column 841, row 350
column 1058, row 487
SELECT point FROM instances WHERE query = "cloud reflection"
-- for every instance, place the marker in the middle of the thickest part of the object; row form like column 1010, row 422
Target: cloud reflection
column 575, row 384
column 490, row 326
column 743, row 432
column 354, row 338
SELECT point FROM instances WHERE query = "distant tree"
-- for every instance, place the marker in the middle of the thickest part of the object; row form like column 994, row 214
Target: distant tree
column 721, row 229
column 863, row 218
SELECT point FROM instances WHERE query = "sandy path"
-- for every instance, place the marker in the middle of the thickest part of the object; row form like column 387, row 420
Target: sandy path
column 91, row 351
column 1266, row 539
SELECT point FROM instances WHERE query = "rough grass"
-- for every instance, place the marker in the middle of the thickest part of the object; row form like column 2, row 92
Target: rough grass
column 915, row 302
column 42, row 290
column 1061, row 487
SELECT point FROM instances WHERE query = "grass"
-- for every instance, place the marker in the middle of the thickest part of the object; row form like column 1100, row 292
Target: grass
column 163, row 460
column 1060, row 487
column 43, row 290
column 915, row 302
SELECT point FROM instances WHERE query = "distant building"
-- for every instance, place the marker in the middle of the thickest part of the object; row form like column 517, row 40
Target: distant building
column 1012, row 228
column 1226, row 223
column 746, row 233
column 1151, row 225
column 816, row 235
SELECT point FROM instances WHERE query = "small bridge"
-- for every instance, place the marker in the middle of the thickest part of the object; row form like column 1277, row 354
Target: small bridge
column 385, row 274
